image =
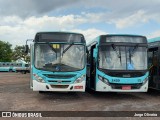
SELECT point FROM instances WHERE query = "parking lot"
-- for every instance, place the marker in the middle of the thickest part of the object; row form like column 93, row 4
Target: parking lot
column 15, row 95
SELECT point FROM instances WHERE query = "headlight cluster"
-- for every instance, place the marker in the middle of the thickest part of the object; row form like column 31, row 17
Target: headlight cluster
column 144, row 81
column 104, row 80
column 80, row 79
column 38, row 78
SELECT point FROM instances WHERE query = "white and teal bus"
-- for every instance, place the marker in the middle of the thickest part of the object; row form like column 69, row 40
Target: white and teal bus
column 58, row 62
column 12, row 66
column 118, row 63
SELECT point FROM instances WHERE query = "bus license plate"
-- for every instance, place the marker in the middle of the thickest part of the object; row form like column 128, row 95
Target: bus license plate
column 126, row 87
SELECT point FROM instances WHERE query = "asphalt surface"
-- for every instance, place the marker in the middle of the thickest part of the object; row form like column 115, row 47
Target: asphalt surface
column 15, row 95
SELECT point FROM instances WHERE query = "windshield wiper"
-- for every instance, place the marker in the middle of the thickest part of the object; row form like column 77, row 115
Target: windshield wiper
column 134, row 49
column 131, row 53
column 52, row 48
column 118, row 54
column 65, row 50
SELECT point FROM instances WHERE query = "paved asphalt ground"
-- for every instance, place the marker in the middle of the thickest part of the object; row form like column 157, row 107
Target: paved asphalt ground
column 15, row 95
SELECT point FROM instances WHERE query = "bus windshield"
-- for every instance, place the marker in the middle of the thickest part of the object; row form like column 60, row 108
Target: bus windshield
column 116, row 57
column 59, row 57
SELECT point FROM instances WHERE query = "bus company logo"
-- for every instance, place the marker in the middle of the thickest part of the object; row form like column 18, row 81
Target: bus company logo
column 6, row 114
column 59, row 81
column 58, row 68
column 127, row 75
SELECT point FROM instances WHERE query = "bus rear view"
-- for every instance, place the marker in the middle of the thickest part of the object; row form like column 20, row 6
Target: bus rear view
column 58, row 62
column 120, row 63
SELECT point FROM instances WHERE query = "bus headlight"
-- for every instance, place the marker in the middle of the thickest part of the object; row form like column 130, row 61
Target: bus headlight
column 144, row 81
column 80, row 79
column 38, row 78
column 104, row 80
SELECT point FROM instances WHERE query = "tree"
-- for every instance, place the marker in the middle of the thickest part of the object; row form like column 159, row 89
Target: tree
column 18, row 54
column 5, row 51
column 27, row 59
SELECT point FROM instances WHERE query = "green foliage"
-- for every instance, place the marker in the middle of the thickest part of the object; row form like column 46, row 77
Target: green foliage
column 18, row 53
column 27, row 59
column 5, row 52
column 8, row 55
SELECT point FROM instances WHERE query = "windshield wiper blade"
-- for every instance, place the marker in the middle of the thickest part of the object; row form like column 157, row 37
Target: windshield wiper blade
column 131, row 53
column 114, row 48
column 52, row 48
column 118, row 54
column 130, row 56
column 65, row 50
column 134, row 49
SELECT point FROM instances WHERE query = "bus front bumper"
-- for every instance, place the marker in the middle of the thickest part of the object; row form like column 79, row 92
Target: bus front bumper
column 102, row 87
column 76, row 87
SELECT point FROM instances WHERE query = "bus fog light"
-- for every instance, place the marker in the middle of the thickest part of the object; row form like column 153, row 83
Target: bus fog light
column 71, row 87
column 47, row 86
column 145, row 81
column 80, row 79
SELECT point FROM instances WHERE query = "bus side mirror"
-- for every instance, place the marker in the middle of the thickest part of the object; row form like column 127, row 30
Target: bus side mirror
column 26, row 49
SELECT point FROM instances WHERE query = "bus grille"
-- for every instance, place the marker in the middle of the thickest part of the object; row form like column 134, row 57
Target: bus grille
column 57, row 76
column 59, row 81
column 119, row 86
column 59, row 86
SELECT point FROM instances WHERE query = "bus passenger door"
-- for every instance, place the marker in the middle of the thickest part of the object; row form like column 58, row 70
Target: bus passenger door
column 153, row 68
column 92, row 68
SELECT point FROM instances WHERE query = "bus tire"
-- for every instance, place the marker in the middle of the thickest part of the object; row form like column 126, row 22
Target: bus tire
column 41, row 92
column 23, row 72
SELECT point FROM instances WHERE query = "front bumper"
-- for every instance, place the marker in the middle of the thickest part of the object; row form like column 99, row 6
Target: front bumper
column 37, row 86
column 100, row 86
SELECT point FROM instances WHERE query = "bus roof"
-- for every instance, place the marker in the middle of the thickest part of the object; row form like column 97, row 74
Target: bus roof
column 97, row 39
column 123, row 35
column 40, row 32
column 59, row 37
column 156, row 39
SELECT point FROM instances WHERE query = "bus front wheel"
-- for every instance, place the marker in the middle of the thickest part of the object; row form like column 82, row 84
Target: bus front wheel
column 23, row 72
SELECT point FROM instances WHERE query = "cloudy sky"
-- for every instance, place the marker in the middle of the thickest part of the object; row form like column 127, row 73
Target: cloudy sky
column 21, row 19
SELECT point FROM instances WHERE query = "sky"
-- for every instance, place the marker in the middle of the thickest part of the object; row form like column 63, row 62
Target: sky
column 22, row 19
